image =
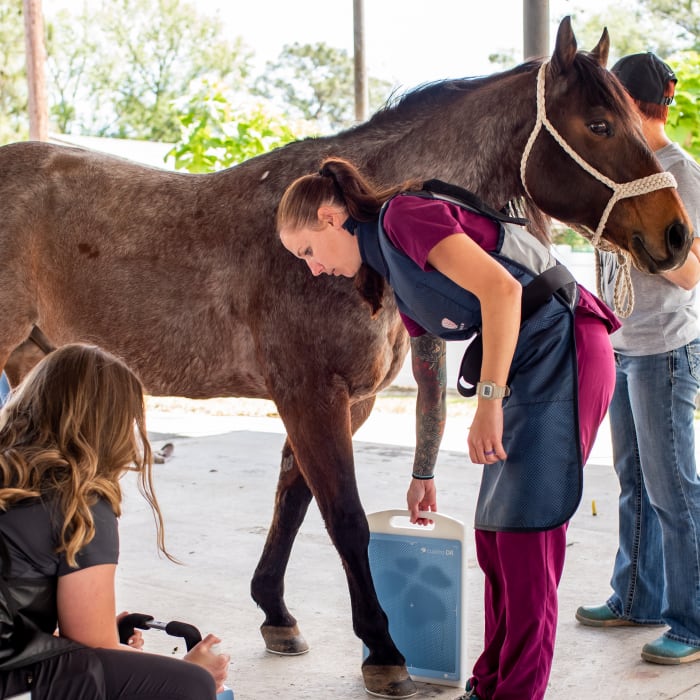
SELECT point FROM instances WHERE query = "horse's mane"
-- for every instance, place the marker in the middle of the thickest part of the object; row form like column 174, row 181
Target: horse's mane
column 429, row 95
column 600, row 86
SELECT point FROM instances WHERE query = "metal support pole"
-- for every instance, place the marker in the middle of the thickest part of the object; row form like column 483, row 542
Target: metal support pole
column 361, row 89
column 535, row 29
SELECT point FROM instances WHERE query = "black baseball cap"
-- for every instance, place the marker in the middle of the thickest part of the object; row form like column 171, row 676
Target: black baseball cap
column 645, row 76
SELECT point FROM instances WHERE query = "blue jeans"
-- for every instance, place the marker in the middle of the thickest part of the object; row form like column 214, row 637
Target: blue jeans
column 4, row 388
column 656, row 578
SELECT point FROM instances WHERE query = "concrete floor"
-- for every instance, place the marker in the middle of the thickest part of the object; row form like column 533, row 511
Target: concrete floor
column 216, row 494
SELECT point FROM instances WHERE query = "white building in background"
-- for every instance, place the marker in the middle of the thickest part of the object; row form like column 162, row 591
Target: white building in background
column 147, row 152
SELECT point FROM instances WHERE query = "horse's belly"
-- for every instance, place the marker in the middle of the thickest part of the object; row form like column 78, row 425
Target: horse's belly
column 192, row 358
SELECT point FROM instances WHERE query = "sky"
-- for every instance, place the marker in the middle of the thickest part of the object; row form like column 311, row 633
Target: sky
column 407, row 42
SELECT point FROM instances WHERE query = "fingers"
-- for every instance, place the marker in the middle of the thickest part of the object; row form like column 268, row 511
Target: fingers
column 486, row 454
column 136, row 640
column 421, row 496
column 209, row 641
column 427, row 507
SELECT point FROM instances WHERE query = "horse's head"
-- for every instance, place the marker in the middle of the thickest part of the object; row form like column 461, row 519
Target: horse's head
column 588, row 164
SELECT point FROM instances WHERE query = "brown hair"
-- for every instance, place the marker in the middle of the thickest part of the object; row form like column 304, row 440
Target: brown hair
column 69, row 432
column 339, row 183
column 655, row 111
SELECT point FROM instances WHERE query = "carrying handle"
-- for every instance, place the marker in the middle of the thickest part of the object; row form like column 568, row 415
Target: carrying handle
column 128, row 623
column 398, row 521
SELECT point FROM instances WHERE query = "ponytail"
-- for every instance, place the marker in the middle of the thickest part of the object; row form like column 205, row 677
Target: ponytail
column 339, row 183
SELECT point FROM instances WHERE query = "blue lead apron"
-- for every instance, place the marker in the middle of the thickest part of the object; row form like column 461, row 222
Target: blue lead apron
column 539, row 486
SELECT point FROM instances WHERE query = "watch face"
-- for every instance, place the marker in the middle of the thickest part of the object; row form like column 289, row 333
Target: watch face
column 487, row 391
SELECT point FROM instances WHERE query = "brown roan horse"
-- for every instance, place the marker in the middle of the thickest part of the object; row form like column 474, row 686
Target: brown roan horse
column 102, row 250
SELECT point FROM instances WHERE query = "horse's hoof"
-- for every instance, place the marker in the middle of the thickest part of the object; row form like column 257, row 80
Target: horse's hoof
column 164, row 453
column 286, row 641
column 388, row 682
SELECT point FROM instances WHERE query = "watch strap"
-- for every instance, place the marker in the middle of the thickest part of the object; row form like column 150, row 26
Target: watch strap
column 491, row 390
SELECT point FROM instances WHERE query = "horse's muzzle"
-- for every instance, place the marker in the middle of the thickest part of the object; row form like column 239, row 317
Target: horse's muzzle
column 678, row 241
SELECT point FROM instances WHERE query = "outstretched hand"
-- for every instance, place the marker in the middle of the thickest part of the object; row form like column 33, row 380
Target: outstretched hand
column 421, row 496
column 205, row 656
column 486, row 434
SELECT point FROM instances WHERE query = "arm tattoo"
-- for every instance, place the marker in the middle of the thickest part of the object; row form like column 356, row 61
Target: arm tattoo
column 429, row 371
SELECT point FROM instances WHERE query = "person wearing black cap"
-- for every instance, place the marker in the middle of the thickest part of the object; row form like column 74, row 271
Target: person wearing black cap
column 656, row 575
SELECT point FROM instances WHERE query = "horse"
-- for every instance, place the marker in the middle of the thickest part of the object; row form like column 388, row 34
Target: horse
column 184, row 277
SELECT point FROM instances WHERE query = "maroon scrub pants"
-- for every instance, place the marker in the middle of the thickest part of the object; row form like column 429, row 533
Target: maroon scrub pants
column 523, row 569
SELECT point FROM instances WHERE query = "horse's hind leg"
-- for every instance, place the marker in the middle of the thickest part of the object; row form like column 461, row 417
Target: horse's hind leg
column 279, row 629
column 320, row 433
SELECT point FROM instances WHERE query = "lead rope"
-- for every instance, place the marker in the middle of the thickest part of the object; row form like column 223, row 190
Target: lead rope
column 623, row 291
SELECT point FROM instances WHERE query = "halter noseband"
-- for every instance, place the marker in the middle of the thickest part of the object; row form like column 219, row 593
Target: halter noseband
column 643, row 185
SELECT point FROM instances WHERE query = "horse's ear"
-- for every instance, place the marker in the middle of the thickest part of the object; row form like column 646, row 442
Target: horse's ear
column 602, row 49
column 564, row 48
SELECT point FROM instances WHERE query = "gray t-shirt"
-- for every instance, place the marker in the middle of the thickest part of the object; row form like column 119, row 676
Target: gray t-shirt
column 665, row 316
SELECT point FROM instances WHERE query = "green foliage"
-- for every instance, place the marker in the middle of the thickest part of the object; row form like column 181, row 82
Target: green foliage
column 71, row 45
column 315, row 82
column 683, row 14
column 684, row 114
column 215, row 134
column 116, row 70
column 563, row 235
column 631, row 30
column 14, row 121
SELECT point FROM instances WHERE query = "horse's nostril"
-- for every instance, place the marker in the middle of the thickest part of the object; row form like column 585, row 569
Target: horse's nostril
column 677, row 236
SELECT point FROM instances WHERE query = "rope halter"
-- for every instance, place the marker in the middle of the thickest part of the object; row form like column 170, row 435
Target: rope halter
column 624, row 293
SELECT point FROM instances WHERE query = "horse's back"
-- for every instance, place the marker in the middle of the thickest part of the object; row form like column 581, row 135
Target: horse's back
column 182, row 275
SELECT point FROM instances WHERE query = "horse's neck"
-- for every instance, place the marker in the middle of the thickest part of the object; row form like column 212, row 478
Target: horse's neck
column 476, row 142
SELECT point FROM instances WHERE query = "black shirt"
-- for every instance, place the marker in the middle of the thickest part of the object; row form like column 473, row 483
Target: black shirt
column 31, row 530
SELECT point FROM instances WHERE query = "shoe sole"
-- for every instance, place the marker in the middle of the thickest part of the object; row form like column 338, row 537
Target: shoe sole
column 613, row 622
column 671, row 660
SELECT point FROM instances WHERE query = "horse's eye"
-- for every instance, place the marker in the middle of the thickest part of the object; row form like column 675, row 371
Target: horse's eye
column 600, row 128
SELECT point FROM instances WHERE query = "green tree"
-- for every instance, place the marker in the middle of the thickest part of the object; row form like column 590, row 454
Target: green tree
column 116, row 72
column 217, row 133
column 315, row 82
column 632, row 29
column 563, row 235
column 14, row 123
column 684, row 14
column 72, row 46
column 684, row 114
column 312, row 82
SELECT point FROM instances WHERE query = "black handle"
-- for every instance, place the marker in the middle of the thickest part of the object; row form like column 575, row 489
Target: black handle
column 189, row 632
column 128, row 623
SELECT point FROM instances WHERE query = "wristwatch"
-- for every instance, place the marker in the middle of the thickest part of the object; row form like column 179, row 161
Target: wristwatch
column 491, row 390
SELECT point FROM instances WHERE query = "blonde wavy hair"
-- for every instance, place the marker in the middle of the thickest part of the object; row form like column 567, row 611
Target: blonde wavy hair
column 68, row 433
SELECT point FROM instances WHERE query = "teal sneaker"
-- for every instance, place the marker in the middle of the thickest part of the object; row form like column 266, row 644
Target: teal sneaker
column 669, row 652
column 470, row 694
column 602, row 616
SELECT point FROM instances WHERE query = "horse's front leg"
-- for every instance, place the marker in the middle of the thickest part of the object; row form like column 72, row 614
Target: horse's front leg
column 279, row 629
column 320, row 433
